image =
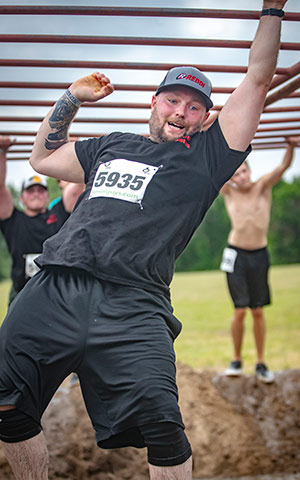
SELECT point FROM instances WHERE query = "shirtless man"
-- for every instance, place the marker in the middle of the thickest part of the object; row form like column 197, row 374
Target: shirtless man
column 245, row 260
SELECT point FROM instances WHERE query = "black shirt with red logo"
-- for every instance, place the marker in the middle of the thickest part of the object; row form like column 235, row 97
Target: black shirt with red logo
column 25, row 236
column 143, row 202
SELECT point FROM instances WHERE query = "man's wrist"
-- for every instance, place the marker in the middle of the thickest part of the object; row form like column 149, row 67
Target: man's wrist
column 277, row 12
column 73, row 99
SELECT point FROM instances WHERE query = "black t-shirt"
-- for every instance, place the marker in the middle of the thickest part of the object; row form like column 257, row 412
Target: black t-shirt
column 60, row 212
column 143, row 202
column 24, row 236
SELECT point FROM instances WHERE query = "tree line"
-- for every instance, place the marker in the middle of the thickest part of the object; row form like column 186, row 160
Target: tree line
column 205, row 249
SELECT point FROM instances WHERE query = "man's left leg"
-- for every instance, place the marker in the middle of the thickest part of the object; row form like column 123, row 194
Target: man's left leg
column 178, row 472
column 169, row 451
column 259, row 330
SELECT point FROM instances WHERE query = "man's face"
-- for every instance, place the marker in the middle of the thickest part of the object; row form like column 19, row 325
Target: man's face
column 176, row 112
column 35, row 199
column 241, row 177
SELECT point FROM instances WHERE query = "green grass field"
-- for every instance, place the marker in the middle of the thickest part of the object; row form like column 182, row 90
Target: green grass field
column 202, row 303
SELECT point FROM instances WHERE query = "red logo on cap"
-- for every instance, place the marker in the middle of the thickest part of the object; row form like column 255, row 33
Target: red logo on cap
column 191, row 78
column 180, row 76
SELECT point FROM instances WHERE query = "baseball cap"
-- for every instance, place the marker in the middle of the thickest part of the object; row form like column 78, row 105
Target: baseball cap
column 190, row 77
column 34, row 180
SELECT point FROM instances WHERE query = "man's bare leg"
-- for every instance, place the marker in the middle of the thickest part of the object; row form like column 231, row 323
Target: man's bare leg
column 237, row 331
column 28, row 459
column 259, row 331
column 178, row 472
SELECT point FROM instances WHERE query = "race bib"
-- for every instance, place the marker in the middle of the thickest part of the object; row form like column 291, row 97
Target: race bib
column 30, row 267
column 122, row 179
column 228, row 260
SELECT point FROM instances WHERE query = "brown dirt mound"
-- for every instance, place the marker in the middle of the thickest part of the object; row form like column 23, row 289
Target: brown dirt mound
column 237, row 427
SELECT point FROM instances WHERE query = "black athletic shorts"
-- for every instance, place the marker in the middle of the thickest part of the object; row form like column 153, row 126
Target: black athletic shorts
column 118, row 339
column 248, row 282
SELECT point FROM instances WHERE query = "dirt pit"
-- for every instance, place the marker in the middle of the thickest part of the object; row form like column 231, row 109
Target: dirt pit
column 238, row 427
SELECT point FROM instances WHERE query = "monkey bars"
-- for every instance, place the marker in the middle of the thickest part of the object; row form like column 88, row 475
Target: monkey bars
column 20, row 117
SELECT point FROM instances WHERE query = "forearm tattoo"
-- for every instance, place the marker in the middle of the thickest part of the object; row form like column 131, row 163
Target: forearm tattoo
column 59, row 121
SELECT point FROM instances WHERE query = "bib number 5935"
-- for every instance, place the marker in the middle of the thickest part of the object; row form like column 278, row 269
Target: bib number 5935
column 122, row 179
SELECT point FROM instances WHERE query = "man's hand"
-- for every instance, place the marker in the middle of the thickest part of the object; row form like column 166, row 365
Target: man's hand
column 278, row 4
column 295, row 141
column 6, row 142
column 92, row 87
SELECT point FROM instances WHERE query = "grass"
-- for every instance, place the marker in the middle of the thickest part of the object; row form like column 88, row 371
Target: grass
column 202, row 303
column 4, row 292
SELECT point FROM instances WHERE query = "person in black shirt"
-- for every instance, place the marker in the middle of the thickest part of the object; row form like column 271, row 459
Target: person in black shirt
column 101, row 299
column 25, row 231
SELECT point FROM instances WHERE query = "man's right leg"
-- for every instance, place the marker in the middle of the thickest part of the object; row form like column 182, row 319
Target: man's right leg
column 178, row 472
column 28, row 458
column 237, row 331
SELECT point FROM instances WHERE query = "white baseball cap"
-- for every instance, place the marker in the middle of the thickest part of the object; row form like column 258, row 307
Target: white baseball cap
column 34, row 180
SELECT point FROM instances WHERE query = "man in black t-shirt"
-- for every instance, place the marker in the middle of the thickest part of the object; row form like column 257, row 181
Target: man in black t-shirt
column 25, row 231
column 101, row 298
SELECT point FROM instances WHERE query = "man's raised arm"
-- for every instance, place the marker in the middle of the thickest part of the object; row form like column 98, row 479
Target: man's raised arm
column 240, row 115
column 6, row 199
column 270, row 179
column 52, row 153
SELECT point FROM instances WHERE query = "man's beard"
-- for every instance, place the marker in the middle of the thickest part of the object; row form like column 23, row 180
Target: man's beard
column 156, row 130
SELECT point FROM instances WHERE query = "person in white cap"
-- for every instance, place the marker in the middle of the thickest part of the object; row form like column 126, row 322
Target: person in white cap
column 102, row 302
column 26, row 230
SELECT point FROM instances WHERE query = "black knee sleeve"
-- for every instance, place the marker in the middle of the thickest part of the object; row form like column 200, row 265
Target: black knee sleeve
column 167, row 444
column 16, row 426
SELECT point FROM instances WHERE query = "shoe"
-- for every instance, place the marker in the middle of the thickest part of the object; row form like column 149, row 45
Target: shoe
column 234, row 369
column 263, row 373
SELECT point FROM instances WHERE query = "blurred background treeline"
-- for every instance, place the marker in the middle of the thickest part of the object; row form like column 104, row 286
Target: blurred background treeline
column 204, row 252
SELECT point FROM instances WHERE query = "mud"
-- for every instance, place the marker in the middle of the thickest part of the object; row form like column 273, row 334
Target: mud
column 237, row 427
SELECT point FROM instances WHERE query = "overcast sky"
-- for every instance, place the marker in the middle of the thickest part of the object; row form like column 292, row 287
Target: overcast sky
column 260, row 161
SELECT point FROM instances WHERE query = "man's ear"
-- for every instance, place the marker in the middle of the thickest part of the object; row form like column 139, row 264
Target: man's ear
column 209, row 120
column 153, row 102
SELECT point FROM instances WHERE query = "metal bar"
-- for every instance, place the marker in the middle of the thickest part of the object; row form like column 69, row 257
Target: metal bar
column 280, row 120
column 48, row 103
column 121, row 87
column 142, row 41
column 283, row 92
column 138, row 12
column 284, row 133
column 4, row 62
column 276, row 129
column 279, row 79
column 103, row 104
column 77, row 120
column 295, row 108
column 126, row 120
column 277, row 135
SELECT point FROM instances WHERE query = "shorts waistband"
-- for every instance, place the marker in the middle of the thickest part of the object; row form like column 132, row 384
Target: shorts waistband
column 238, row 249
